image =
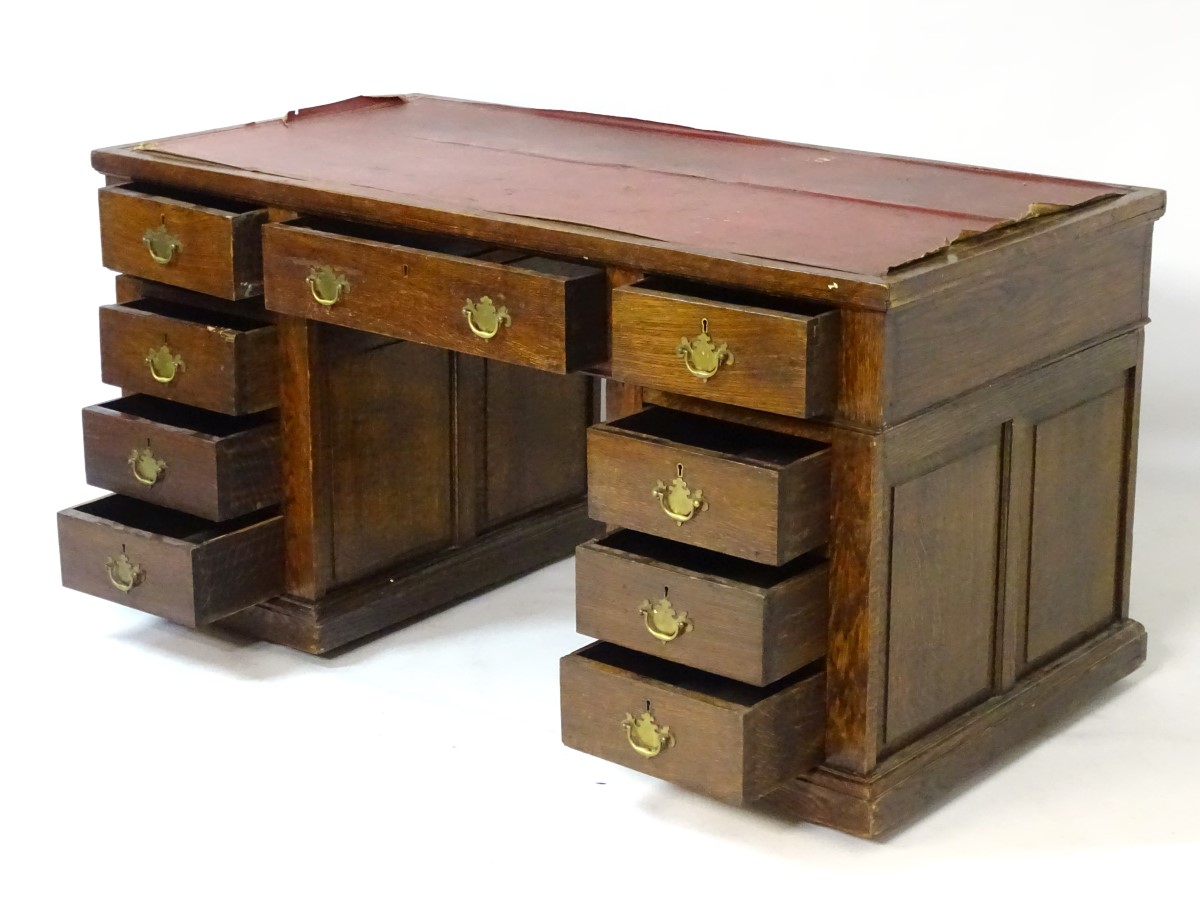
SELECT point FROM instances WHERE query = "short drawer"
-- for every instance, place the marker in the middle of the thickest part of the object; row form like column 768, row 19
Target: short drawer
column 176, row 566
column 456, row 294
column 222, row 362
column 727, row 616
column 739, row 490
column 716, row 736
column 209, row 245
column 204, row 463
column 743, row 348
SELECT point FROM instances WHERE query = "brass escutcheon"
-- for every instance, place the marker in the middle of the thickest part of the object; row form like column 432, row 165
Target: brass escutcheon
column 123, row 573
column 701, row 358
column 161, row 244
column 326, row 285
column 147, row 468
column 678, row 500
column 484, row 319
column 662, row 621
column 645, row 735
column 164, row 365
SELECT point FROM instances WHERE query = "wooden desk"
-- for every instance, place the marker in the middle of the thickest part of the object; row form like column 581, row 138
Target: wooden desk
column 862, row 429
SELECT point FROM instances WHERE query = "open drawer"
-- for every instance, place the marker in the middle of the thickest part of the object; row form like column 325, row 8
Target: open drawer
column 734, row 346
column 452, row 293
column 176, row 566
column 745, row 621
column 215, row 360
column 197, row 461
column 740, row 490
column 713, row 735
column 209, row 245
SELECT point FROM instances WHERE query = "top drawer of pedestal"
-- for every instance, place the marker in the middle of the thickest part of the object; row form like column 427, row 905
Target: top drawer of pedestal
column 732, row 346
column 453, row 293
column 208, row 245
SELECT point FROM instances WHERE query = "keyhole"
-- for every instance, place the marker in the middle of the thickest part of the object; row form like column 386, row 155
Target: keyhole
column 404, row 270
column 704, row 325
column 666, row 591
column 679, row 470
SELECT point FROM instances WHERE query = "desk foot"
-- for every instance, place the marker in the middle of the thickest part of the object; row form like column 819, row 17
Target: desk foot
column 399, row 595
column 919, row 777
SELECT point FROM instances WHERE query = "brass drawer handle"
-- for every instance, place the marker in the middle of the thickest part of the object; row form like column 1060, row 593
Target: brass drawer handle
column 326, row 285
column 161, row 244
column 662, row 621
column 645, row 735
column 701, row 358
column 678, row 501
column 164, row 365
column 484, row 319
column 123, row 573
column 147, row 468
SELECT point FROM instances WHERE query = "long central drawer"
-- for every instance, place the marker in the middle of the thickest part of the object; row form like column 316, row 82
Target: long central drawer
column 452, row 293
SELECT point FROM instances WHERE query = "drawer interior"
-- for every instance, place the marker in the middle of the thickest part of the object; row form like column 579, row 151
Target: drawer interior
column 708, row 562
column 747, row 443
column 710, row 292
column 681, row 677
column 191, row 198
column 182, row 416
column 448, row 245
column 190, row 313
column 133, row 513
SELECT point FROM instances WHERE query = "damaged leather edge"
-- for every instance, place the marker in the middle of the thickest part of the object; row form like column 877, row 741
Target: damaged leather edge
column 970, row 239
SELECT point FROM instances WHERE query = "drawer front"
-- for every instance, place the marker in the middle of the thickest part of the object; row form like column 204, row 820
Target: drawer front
column 169, row 564
column 767, row 359
column 187, row 243
column 641, row 476
column 206, row 359
column 723, row 739
column 530, row 311
column 751, row 623
column 184, row 458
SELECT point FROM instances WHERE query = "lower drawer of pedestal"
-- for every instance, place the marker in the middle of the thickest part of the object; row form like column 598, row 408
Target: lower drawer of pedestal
column 707, row 733
column 170, row 564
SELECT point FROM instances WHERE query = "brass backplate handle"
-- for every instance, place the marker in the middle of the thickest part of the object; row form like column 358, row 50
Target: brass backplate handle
column 647, row 737
column 123, row 573
column 662, row 621
column 326, row 285
column 161, row 244
column 701, row 357
column 678, row 500
column 484, row 318
column 164, row 365
column 147, row 467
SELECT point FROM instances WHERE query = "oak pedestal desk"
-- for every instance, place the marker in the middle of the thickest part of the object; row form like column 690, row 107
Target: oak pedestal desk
column 844, row 444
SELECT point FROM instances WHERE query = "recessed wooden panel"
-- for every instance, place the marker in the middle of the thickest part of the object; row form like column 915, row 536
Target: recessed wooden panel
column 943, row 592
column 536, row 439
column 1079, row 458
column 389, row 455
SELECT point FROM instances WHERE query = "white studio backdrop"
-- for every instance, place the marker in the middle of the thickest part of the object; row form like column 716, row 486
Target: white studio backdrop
column 145, row 768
